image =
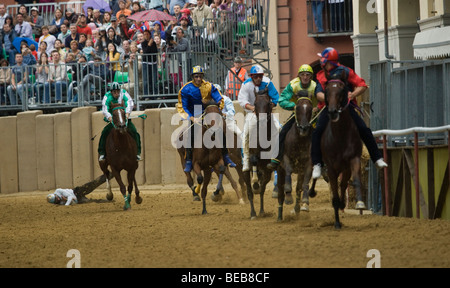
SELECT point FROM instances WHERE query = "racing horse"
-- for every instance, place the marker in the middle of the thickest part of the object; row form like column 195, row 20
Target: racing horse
column 121, row 150
column 208, row 157
column 341, row 147
column 260, row 173
column 296, row 158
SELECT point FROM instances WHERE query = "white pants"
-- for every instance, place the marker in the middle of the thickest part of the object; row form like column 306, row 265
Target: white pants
column 250, row 137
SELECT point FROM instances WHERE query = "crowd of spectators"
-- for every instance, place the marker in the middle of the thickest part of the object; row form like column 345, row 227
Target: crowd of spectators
column 109, row 36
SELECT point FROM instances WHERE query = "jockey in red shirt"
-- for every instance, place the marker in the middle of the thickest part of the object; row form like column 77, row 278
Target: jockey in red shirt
column 357, row 86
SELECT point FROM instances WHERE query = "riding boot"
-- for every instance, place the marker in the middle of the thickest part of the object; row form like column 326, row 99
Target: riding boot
column 137, row 138
column 227, row 159
column 102, row 142
column 188, row 166
column 316, row 153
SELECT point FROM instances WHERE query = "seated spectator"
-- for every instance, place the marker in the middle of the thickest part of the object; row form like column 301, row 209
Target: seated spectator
column 42, row 49
column 75, row 50
column 64, row 33
column 48, row 38
column 23, row 28
column 33, row 51
column 82, row 41
column 57, row 76
column 90, row 14
column 123, row 9
column 124, row 28
column 28, row 59
column 82, row 27
column 61, row 49
column 36, row 23
column 97, row 18
column 89, row 50
column 112, row 37
column 71, row 17
column 23, row 10
column 106, row 20
column 57, row 21
column 157, row 29
column 5, row 80
column 135, row 8
column 73, row 36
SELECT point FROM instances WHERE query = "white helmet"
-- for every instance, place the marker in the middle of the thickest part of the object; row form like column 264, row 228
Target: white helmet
column 51, row 198
column 256, row 69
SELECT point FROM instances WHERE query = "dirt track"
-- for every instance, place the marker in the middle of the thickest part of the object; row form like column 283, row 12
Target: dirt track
column 168, row 230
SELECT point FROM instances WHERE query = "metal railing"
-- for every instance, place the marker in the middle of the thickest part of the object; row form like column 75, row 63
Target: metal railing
column 329, row 19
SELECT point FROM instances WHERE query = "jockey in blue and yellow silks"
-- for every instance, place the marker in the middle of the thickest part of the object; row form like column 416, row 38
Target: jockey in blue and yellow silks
column 194, row 94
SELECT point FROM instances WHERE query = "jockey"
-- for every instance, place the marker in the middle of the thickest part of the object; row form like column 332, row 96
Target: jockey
column 228, row 113
column 233, row 82
column 330, row 65
column 246, row 98
column 192, row 95
column 117, row 95
column 63, row 197
column 304, row 84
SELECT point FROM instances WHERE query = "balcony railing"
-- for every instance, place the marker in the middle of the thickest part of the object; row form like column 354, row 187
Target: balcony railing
column 329, row 19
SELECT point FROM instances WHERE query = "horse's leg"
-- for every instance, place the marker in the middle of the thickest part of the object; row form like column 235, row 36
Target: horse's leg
column 206, row 180
column 255, row 179
column 216, row 196
column 248, row 183
column 356, row 176
column 335, row 200
column 235, row 186
column 109, row 195
column 123, row 190
column 288, row 182
column 242, row 183
column 343, row 187
column 281, row 185
column 305, row 187
column 138, row 197
column 264, row 180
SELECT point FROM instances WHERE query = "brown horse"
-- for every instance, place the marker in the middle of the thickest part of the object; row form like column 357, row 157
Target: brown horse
column 121, row 150
column 208, row 157
column 341, row 147
column 261, row 174
column 296, row 159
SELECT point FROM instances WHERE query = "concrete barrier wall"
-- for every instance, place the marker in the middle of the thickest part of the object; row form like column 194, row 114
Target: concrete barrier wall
column 45, row 152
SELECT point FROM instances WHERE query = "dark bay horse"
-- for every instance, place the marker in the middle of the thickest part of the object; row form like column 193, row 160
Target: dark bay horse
column 260, row 173
column 208, row 158
column 341, row 147
column 121, row 151
column 296, row 159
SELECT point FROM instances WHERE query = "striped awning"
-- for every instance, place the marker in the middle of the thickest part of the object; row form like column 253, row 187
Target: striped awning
column 433, row 43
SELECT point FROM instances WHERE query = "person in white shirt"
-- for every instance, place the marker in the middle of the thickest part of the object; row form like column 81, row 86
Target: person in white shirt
column 62, row 197
column 48, row 38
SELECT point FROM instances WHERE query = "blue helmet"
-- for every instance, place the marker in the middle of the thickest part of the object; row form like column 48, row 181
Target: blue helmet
column 197, row 70
column 256, row 69
column 329, row 55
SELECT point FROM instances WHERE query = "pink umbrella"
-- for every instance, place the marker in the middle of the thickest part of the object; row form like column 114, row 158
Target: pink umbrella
column 151, row 15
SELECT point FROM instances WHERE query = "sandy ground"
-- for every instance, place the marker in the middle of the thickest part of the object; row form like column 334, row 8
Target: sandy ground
column 167, row 230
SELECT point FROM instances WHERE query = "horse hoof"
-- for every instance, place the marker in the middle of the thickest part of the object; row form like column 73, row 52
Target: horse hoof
column 138, row 200
column 360, row 205
column 305, row 207
column 288, row 200
column 196, row 198
column 109, row 196
column 216, row 198
column 312, row 193
column 337, row 226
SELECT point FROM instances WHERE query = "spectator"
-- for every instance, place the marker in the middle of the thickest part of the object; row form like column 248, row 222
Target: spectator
column 19, row 83
column 33, row 51
column 48, row 38
column 137, row 26
column 140, row 39
column 5, row 80
column 225, row 31
column 113, row 58
column 75, row 50
column 125, row 54
column 57, row 76
column 64, row 33
column 157, row 29
column 201, row 12
column 90, row 14
column 135, row 8
column 317, row 8
column 95, row 74
column 60, row 48
column 57, row 21
column 3, row 15
column 73, row 36
column 150, row 65
column 123, row 9
column 113, row 38
column 22, row 28
column 41, row 49
column 82, row 26
column 156, row 5
column 172, row 3
column 100, row 45
column 23, row 10
column 82, row 41
column 76, row 69
column 28, row 59
column 106, row 20
column 236, row 76
column 8, row 37
column 215, row 7
column 135, row 59
column 337, row 15
column 71, row 17
column 41, row 87
column 184, row 24
column 115, row 25
column 97, row 18
column 89, row 50
column 124, row 28
column 177, row 13
column 180, row 45
column 239, row 11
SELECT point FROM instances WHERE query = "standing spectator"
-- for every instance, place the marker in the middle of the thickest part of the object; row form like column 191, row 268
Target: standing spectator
column 180, row 45
column 41, row 49
column 57, row 76
column 71, row 16
column 177, row 13
column 41, row 86
column 137, row 26
column 98, row 18
column 113, row 58
column 5, row 80
column 215, row 7
column 124, row 28
column 157, row 28
column 239, row 11
column 82, row 27
column 156, row 4
column 36, row 23
column 201, row 13
column 49, row 38
column 8, row 37
column 22, row 28
column 73, row 66
column 28, row 59
column 125, row 54
column 101, row 46
column 73, row 35
column 135, row 59
column 64, row 33
column 135, row 8
column 57, row 21
column 172, row 3
column 19, row 83
column 95, row 74
column 236, row 76
column 113, row 38
column 150, row 65
column 24, row 11
column 106, row 20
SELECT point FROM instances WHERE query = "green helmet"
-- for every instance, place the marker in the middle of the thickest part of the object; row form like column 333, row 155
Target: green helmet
column 115, row 86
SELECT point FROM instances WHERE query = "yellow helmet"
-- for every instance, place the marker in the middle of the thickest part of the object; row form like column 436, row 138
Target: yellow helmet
column 305, row 68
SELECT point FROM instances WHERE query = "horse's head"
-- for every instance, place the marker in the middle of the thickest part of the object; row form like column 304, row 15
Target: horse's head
column 213, row 115
column 303, row 112
column 119, row 118
column 263, row 104
column 336, row 97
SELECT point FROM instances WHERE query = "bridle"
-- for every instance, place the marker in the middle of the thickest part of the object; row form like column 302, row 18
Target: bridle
column 343, row 92
column 120, row 115
column 299, row 126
